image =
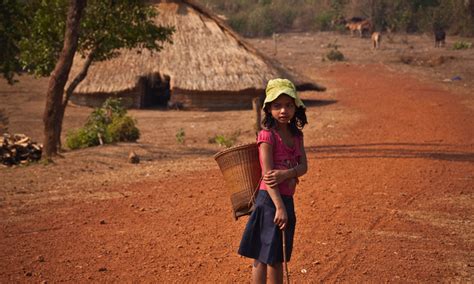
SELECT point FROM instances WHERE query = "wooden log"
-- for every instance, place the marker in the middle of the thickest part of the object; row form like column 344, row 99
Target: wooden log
column 36, row 147
column 24, row 140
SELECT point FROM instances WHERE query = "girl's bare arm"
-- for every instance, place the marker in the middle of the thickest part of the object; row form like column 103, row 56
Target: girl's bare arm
column 275, row 177
column 281, row 216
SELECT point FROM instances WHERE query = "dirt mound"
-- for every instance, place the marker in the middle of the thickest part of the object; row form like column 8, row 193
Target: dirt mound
column 426, row 61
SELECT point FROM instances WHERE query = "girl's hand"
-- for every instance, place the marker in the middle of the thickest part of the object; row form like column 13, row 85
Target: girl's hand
column 274, row 177
column 281, row 218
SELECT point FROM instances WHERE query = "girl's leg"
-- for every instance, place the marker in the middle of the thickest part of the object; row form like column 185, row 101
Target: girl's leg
column 259, row 272
column 275, row 273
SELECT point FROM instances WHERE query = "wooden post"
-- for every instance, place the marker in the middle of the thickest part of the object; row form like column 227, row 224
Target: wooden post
column 257, row 109
column 275, row 49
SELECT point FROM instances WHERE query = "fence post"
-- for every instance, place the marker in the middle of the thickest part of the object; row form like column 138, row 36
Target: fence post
column 257, row 107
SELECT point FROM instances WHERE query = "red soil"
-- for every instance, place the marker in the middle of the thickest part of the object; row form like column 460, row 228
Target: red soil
column 387, row 199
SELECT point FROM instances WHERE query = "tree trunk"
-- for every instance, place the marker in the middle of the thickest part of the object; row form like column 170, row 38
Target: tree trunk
column 79, row 77
column 70, row 89
column 54, row 110
column 59, row 127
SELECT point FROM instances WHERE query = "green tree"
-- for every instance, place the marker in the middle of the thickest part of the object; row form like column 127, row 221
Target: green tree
column 97, row 30
column 12, row 24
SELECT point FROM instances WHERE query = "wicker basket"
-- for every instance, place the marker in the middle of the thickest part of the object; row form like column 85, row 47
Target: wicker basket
column 241, row 169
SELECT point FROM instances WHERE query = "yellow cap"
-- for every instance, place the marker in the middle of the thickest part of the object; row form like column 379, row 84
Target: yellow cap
column 276, row 87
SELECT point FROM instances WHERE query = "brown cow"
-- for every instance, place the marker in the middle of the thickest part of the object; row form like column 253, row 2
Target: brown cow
column 376, row 38
column 362, row 27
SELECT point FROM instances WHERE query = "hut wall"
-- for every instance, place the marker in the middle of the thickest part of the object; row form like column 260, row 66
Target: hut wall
column 221, row 100
column 130, row 99
column 215, row 100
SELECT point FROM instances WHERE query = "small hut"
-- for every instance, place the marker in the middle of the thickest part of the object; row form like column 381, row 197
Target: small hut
column 208, row 66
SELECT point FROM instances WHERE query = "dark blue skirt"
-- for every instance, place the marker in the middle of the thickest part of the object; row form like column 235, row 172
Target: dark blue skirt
column 262, row 239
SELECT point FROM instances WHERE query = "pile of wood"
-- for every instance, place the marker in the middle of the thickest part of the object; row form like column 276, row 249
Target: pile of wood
column 18, row 149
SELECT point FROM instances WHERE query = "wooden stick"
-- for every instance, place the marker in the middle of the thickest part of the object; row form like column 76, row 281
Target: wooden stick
column 284, row 256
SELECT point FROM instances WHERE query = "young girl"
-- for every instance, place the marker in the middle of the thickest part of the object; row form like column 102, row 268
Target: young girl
column 283, row 160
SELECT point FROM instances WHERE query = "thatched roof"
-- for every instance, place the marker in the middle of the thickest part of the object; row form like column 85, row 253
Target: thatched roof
column 205, row 55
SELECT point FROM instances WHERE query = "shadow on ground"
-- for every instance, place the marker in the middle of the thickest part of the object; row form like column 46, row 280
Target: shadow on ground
column 320, row 103
column 393, row 150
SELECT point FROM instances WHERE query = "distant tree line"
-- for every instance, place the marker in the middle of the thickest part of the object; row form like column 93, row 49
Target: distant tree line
column 263, row 17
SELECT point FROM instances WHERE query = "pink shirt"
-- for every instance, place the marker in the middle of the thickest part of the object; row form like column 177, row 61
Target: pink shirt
column 284, row 157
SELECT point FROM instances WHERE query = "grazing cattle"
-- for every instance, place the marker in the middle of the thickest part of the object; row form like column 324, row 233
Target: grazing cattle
column 362, row 27
column 352, row 27
column 341, row 21
column 376, row 38
column 356, row 19
column 440, row 38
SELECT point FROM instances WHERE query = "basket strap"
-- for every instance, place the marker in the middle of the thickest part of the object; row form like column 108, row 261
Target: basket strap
column 254, row 193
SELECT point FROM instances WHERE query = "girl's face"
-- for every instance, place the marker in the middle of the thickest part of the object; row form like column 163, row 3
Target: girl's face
column 283, row 109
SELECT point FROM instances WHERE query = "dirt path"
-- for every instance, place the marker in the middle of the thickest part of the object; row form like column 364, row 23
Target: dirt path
column 388, row 198
column 398, row 191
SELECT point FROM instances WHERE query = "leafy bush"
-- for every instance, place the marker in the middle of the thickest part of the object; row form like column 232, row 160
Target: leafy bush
column 323, row 21
column 82, row 138
column 123, row 128
column 284, row 16
column 104, row 125
column 263, row 18
column 462, row 45
column 114, row 107
column 238, row 22
column 340, row 28
column 260, row 22
column 75, row 139
column 335, row 55
column 221, row 140
column 180, row 136
column 333, row 45
column 225, row 141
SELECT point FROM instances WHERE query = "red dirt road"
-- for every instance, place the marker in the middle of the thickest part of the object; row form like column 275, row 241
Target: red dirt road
column 388, row 198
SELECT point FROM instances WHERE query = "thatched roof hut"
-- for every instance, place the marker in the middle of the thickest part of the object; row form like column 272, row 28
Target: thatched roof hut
column 208, row 66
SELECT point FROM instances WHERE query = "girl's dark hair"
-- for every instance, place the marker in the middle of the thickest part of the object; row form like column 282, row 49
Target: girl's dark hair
column 296, row 123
